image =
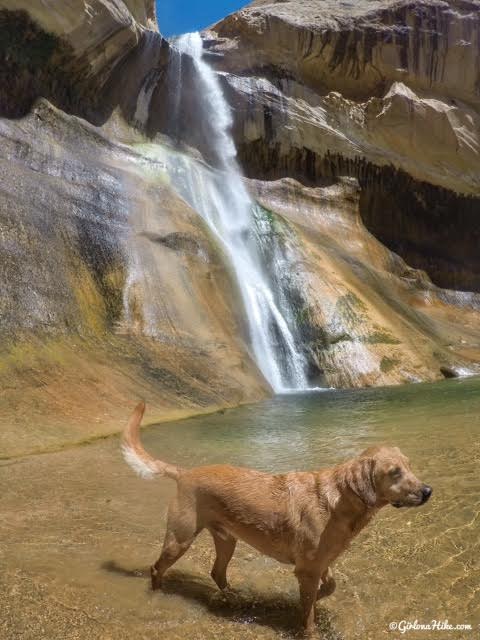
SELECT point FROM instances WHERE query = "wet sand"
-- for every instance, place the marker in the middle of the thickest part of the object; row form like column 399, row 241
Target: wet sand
column 79, row 530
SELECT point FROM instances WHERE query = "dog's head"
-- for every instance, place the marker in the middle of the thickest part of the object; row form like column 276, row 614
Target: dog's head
column 382, row 475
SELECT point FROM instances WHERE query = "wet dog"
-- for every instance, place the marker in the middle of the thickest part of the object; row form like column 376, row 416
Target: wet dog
column 306, row 519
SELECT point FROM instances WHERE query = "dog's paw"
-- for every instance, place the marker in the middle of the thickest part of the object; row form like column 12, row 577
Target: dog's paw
column 229, row 592
column 226, row 596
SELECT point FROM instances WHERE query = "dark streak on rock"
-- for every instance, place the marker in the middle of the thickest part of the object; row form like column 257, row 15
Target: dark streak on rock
column 430, row 227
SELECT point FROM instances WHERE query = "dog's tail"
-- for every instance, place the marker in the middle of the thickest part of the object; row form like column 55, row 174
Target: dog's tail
column 135, row 455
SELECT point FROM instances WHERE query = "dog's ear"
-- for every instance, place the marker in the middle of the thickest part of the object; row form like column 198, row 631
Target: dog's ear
column 360, row 479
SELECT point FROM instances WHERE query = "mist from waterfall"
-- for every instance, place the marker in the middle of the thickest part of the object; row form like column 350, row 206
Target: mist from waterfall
column 221, row 198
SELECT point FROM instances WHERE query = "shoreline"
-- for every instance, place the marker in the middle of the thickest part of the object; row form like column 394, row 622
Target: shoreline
column 176, row 415
column 171, row 416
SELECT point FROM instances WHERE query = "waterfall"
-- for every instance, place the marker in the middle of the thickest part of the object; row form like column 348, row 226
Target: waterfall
column 223, row 201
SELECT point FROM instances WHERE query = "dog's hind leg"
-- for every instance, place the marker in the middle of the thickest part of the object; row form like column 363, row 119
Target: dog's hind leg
column 182, row 530
column 328, row 585
column 225, row 547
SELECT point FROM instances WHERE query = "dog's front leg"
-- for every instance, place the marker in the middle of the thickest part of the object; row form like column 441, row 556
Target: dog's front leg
column 308, row 580
column 328, row 585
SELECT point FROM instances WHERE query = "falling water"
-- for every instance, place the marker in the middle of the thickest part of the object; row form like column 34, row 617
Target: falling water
column 225, row 204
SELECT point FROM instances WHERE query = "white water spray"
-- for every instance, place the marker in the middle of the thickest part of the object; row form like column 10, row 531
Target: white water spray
column 228, row 209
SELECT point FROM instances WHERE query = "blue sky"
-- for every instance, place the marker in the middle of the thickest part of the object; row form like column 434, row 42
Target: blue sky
column 181, row 16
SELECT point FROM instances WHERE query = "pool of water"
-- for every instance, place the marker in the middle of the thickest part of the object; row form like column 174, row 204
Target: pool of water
column 79, row 530
column 410, row 564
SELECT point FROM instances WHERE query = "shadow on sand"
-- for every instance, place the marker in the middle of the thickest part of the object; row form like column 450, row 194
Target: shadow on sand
column 277, row 612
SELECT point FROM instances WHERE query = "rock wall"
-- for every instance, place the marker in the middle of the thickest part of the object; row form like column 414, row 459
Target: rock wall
column 358, row 130
column 360, row 48
column 111, row 289
column 366, row 317
column 86, row 58
column 386, row 92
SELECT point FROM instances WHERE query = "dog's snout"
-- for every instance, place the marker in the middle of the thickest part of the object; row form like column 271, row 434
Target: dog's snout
column 426, row 492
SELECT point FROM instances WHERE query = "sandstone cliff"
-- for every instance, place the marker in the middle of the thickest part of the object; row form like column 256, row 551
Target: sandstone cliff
column 384, row 91
column 357, row 127
column 373, row 107
column 86, row 57
column 112, row 288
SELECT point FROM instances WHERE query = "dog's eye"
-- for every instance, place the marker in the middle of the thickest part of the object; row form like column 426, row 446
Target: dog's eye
column 396, row 472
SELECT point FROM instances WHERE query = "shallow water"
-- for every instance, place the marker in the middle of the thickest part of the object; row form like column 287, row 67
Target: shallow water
column 414, row 563
column 80, row 529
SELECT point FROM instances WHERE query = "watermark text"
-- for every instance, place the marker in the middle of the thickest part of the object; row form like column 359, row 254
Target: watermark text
column 404, row 626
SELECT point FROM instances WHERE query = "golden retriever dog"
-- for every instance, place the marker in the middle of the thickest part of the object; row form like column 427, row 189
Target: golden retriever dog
column 303, row 518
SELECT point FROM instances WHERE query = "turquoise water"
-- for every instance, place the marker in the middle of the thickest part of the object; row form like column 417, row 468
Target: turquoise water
column 311, row 430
